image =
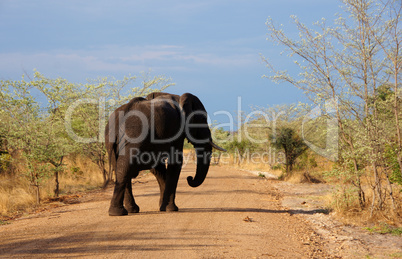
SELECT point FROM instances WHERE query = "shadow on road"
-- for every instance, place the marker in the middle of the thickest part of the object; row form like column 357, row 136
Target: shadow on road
column 92, row 243
column 217, row 210
column 291, row 212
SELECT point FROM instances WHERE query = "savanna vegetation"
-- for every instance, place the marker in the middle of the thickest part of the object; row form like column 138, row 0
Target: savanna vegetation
column 350, row 133
column 350, row 69
column 52, row 134
column 355, row 64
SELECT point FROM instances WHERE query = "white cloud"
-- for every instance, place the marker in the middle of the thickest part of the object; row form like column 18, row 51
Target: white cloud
column 64, row 65
column 123, row 59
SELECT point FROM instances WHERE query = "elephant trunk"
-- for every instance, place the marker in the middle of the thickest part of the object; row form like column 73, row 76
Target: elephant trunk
column 203, row 161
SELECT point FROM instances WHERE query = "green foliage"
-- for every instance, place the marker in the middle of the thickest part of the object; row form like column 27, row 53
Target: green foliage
column 306, row 161
column 344, row 198
column 287, row 140
column 44, row 119
column 76, row 172
column 353, row 62
column 343, row 175
column 221, row 137
column 391, row 161
column 277, row 167
column 2, row 222
column 313, row 162
column 239, row 146
column 187, row 145
column 5, row 161
column 384, row 228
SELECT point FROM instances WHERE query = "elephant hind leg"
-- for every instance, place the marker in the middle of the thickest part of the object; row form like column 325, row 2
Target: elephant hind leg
column 169, row 195
column 129, row 202
column 160, row 173
column 116, row 205
column 122, row 178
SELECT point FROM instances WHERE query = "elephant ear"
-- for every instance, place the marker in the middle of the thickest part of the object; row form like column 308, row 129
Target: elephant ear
column 196, row 127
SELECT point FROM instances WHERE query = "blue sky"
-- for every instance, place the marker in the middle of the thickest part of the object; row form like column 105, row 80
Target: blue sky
column 210, row 48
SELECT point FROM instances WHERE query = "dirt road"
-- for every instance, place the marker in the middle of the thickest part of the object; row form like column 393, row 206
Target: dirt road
column 232, row 215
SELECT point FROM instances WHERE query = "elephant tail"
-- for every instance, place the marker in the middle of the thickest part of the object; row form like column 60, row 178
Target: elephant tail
column 112, row 160
column 110, row 172
column 107, row 180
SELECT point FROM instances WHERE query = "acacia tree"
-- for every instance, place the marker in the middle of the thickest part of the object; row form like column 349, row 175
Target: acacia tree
column 348, row 62
column 33, row 120
column 25, row 129
column 59, row 94
column 287, row 140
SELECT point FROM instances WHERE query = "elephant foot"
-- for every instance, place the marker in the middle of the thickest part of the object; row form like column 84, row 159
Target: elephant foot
column 169, row 207
column 117, row 211
column 133, row 209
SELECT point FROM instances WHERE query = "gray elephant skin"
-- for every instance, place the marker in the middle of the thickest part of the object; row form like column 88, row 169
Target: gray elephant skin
column 148, row 134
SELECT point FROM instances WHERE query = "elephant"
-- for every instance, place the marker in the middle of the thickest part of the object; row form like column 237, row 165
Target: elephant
column 148, row 134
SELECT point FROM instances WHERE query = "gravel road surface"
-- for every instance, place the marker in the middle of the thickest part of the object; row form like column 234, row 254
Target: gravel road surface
column 234, row 214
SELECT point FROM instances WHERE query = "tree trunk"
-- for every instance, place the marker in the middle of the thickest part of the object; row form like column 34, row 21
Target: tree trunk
column 219, row 158
column 37, row 190
column 56, row 180
column 372, row 203
column 56, row 176
column 394, row 204
column 105, row 174
column 362, row 197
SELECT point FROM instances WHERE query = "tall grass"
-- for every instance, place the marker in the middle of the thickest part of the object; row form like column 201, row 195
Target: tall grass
column 264, row 163
column 345, row 203
column 18, row 196
column 343, row 200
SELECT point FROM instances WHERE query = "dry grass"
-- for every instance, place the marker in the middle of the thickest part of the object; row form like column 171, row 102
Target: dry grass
column 250, row 164
column 344, row 201
column 80, row 175
column 261, row 164
column 18, row 196
column 15, row 195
